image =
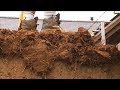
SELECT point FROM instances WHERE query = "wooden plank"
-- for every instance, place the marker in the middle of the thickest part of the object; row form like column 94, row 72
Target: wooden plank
column 112, row 24
column 97, row 36
column 113, row 31
column 108, row 28
column 103, row 40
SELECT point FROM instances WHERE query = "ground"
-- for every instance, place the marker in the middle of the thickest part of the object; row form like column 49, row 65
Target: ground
column 52, row 54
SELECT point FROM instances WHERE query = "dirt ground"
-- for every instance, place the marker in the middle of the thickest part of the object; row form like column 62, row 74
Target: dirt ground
column 15, row 69
column 61, row 71
column 52, row 54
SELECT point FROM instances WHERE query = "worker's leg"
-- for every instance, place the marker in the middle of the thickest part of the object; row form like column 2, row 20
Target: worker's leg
column 29, row 21
column 50, row 20
column 29, row 24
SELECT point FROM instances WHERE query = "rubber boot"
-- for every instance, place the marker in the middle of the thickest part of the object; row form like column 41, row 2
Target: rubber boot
column 51, row 23
column 29, row 24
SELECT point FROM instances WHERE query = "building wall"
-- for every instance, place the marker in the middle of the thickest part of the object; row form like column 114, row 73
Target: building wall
column 12, row 23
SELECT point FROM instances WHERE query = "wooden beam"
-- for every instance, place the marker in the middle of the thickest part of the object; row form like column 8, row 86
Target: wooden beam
column 113, row 31
column 103, row 40
column 97, row 36
column 112, row 24
column 108, row 28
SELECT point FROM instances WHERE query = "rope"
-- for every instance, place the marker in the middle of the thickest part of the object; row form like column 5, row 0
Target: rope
column 97, row 20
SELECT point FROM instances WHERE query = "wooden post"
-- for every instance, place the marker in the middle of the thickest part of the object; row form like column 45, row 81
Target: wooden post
column 103, row 39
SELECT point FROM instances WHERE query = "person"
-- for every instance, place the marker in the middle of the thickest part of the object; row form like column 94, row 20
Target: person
column 30, row 22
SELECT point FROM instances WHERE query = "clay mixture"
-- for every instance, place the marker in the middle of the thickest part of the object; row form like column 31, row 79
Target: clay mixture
column 32, row 54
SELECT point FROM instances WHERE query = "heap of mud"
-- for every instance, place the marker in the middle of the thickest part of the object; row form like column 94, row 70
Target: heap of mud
column 39, row 51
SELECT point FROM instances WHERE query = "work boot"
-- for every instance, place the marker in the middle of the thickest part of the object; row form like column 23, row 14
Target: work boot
column 29, row 24
column 51, row 23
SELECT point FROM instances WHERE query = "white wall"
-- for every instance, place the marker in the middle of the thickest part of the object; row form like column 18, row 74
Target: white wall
column 68, row 15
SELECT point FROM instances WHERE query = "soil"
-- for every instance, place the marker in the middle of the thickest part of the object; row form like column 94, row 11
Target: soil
column 55, row 54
